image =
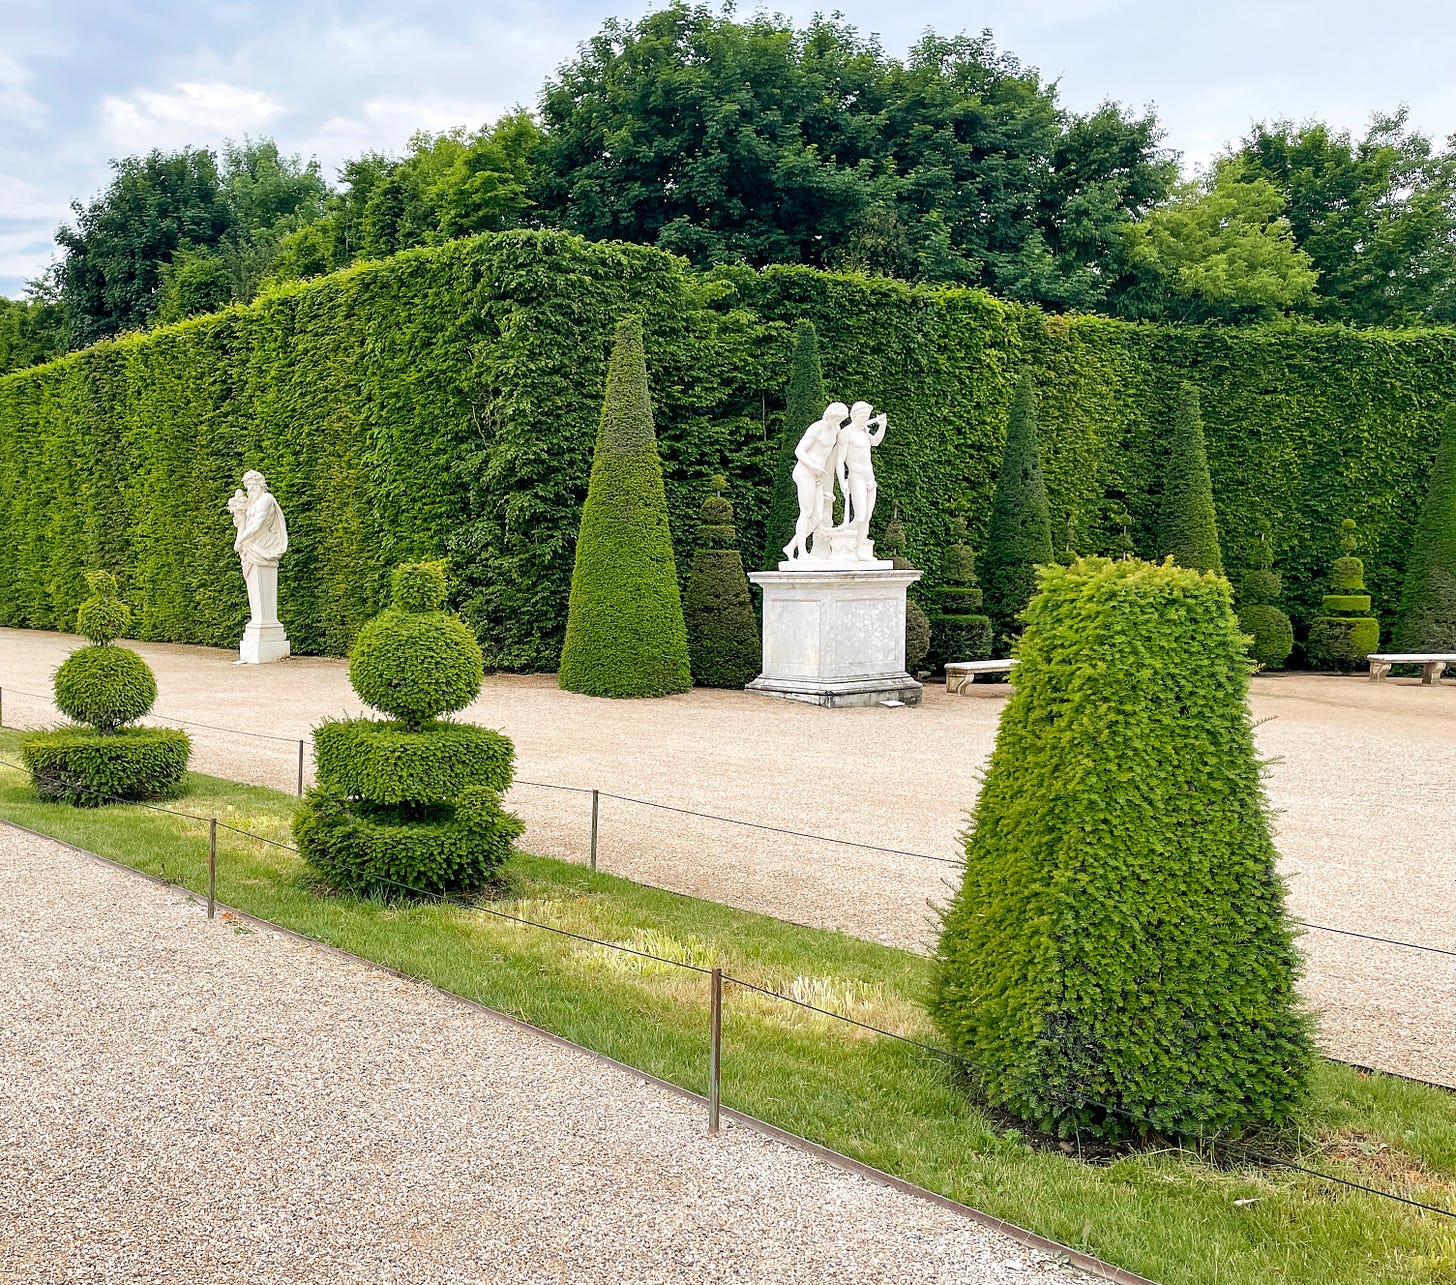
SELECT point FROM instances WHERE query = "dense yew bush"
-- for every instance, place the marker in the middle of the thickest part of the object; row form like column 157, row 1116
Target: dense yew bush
column 104, row 686
column 410, row 807
column 724, row 646
column 1426, row 620
column 1187, row 528
column 917, row 623
column 803, row 404
column 1259, row 614
column 1117, row 958
column 1345, row 635
column 624, row 628
column 960, row 632
column 1019, row 538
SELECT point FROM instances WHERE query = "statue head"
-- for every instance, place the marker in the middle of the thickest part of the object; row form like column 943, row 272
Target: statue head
column 255, row 482
column 860, row 412
column 836, row 412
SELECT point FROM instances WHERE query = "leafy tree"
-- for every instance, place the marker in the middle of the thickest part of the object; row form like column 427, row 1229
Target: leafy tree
column 1117, row 959
column 1187, row 528
column 1426, row 619
column 1020, row 535
column 803, row 405
column 724, row 646
column 33, row 329
column 625, row 634
column 1219, row 250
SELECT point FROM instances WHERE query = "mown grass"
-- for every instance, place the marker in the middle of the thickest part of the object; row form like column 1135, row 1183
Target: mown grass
column 1166, row 1214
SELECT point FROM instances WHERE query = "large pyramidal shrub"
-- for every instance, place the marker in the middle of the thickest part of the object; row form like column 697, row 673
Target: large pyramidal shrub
column 1187, row 527
column 412, row 803
column 805, row 403
column 723, row 642
column 104, row 689
column 1426, row 620
column 624, row 627
column 1260, row 615
column 1020, row 536
column 1118, row 958
column 1345, row 635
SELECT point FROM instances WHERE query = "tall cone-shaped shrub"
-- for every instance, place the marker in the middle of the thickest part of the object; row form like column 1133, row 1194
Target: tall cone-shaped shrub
column 1118, row 957
column 723, row 642
column 624, row 626
column 1020, row 535
column 1426, row 620
column 1187, row 527
column 805, row 403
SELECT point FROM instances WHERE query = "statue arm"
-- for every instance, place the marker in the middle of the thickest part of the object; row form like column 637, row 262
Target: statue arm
column 877, row 437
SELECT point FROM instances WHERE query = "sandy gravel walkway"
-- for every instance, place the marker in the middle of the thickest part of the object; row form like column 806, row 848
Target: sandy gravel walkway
column 182, row 1102
column 1364, row 779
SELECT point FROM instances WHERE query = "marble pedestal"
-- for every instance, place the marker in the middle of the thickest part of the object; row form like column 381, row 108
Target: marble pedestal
column 835, row 638
column 262, row 644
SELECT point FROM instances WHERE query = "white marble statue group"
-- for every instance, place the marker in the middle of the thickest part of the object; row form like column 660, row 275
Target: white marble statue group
column 836, row 448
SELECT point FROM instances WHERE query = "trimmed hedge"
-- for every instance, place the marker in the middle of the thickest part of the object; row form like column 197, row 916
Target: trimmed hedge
column 392, row 764
column 724, row 646
column 445, row 402
column 625, row 634
column 1426, row 618
column 1117, row 959
column 89, row 767
column 803, row 404
column 1019, row 538
column 1187, row 527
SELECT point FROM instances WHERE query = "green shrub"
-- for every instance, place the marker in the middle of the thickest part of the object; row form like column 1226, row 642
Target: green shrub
column 1019, row 538
column 390, row 764
column 418, row 586
column 917, row 623
column 804, row 404
column 89, row 767
column 1344, row 636
column 1187, row 528
column 1259, row 615
column 1119, row 937
column 104, row 686
column 724, row 646
column 959, row 631
column 624, row 628
column 1426, row 618
column 102, row 617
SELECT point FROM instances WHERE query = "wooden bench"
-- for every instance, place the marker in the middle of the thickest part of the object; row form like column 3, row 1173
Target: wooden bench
column 962, row 674
column 1432, row 663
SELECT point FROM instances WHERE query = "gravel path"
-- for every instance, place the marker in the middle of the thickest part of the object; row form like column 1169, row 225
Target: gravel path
column 181, row 1101
column 1362, row 777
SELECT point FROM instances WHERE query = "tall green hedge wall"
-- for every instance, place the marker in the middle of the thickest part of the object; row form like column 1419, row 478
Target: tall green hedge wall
column 444, row 402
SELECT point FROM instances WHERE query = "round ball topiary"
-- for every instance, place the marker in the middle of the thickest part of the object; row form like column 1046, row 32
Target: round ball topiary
column 104, row 686
column 416, row 666
column 1272, row 634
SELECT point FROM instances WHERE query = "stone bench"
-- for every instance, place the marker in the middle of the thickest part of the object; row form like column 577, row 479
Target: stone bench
column 962, row 674
column 1432, row 663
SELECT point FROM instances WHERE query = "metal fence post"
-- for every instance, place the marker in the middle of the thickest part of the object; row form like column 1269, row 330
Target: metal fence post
column 211, row 867
column 596, row 800
column 300, row 769
column 715, row 1049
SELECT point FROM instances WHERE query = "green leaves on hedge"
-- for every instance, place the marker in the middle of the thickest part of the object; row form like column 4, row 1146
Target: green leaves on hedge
column 90, row 767
column 1019, row 538
column 1187, row 529
column 805, row 402
column 1119, row 937
column 624, row 630
column 1426, row 620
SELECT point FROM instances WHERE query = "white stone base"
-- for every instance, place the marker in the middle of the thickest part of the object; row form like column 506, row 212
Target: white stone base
column 262, row 645
column 835, row 638
column 831, row 562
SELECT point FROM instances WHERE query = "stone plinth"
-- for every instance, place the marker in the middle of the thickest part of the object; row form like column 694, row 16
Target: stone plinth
column 262, row 644
column 835, row 638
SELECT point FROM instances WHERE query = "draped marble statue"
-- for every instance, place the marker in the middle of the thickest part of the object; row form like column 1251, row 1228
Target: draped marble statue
column 262, row 539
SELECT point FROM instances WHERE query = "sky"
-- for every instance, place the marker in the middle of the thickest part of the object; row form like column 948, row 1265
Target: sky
column 85, row 81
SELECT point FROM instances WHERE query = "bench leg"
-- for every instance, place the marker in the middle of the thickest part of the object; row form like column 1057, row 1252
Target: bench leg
column 1432, row 672
column 1378, row 671
column 956, row 686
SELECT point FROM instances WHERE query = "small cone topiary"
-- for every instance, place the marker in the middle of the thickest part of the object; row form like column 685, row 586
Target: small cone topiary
column 1346, row 634
column 804, row 404
column 1117, row 959
column 1019, row 538
column 1260, row 617
column 1187, row 527
column 106, row 688
column 724, row 647
column 960, row 632
column 1426, row 620
column 624, row 626
column 917, row 623
column 410, row 805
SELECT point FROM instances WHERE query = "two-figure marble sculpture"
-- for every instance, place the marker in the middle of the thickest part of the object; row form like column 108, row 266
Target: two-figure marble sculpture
column 261, row 540
column 836, row 448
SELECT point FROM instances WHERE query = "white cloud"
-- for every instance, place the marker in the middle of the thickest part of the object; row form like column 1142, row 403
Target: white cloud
column 385, row 124
column 193, row 112
column 15, row 99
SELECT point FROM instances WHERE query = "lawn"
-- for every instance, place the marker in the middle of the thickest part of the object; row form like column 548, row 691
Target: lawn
column 1164, row 1213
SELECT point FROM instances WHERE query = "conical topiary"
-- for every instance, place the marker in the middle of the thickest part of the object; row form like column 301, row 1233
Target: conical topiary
column 804, row 404
column 959, row 631
column 917, row 623
column 1260, row 617
column 1118, row 958
column 410, row 805
column 105, row 688
column 723, row 643
column 1019, row 538
column 1346, row 634
column 1426, row 621
column 1187, row 527
column 624, row 627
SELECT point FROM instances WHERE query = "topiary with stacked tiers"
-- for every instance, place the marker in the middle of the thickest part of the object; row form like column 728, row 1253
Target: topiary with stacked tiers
column 1347, row 633
column 412, row 803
